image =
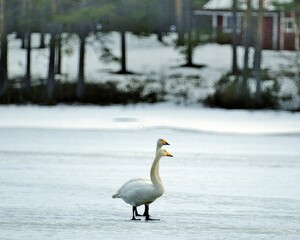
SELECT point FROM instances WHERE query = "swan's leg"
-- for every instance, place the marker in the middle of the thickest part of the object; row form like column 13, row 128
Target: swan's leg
column 136, row 212
column 133, row 212
column 147, row 214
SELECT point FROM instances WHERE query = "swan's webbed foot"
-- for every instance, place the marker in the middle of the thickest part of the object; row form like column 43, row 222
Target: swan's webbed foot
column 147, row 215
column 147, row 218
column 134, row 219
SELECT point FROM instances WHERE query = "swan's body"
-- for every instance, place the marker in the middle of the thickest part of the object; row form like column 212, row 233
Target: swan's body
column 160, row 143
column 142, row 190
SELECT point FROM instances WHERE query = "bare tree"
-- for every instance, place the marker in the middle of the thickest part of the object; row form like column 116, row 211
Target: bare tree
column 4, row 48
column 246, row 45
column 297, row 42
column 180, row 21
column 258, row 52
column 58, row 53
column 27, row 80
column 80, row 83
column 188, row 31
column 51, row 66
column 296, row 29
column 124, row 9
column 234, row 37
column 123, row 52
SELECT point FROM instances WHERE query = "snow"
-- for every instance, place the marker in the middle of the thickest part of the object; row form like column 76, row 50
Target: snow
column 142, row 116
column 227, row 4
column 145, row 55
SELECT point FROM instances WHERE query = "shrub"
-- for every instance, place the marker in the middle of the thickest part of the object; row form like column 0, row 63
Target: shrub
column 95, row 93
column 230, row 93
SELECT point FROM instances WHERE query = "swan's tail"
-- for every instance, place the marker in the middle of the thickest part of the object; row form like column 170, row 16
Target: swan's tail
column 115, row 195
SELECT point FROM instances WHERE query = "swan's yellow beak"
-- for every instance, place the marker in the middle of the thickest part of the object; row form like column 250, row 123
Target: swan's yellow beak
column 169, row 155
column 164, row 142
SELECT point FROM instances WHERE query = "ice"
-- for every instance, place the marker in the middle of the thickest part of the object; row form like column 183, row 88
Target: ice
column 59, row 167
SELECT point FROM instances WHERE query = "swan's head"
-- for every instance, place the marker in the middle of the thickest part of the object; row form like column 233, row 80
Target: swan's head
column 164, row 153
column 161, row 142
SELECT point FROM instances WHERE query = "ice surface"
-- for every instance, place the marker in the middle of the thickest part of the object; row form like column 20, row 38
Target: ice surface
column 60, row 165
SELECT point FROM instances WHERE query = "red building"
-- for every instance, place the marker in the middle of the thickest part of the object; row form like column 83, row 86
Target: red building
column 278, row 28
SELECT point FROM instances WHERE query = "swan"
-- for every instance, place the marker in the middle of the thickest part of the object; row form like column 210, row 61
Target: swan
column 144, row 191
column 160, row 142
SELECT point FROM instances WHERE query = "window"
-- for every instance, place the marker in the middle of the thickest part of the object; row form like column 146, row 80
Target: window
column 228, row 23
column 289, row 25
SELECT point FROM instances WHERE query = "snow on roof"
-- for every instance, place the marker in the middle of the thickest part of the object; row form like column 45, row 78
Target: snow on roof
column 242, row 4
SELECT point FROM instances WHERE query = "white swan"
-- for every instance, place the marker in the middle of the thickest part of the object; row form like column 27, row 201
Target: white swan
column 160, row 142
column 144, row 191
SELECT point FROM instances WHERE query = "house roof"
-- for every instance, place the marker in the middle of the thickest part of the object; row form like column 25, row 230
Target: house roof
column 242, row 4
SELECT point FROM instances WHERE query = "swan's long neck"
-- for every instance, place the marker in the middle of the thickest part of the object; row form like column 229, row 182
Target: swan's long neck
column 158, row 147
column 154, row 173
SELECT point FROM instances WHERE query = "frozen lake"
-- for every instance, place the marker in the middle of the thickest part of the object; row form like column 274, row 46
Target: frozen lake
column 57, row 184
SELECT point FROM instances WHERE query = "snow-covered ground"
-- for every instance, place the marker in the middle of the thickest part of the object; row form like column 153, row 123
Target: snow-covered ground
column 234, row 175
column 154, row 60
column 143, row 116
column 145, row 55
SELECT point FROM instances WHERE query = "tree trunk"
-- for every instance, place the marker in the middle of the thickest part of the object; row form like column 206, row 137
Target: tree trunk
column 180, row 22
column 123, row 53
column 51, row 69
column 58, row 54
column 160, row 36
column 27, row 83
column 80, row 84
column 42, row 40
column 188, row 30
column 297, row 47
column 3, row 52
column 246, row 71
column 296, row 29
column 234, row 38
column 258, row 53
column 189, row 56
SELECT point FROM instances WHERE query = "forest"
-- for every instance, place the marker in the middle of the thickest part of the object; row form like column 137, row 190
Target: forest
column 59, row 21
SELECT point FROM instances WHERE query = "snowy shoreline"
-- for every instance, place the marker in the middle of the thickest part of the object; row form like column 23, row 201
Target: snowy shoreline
column 144, row 116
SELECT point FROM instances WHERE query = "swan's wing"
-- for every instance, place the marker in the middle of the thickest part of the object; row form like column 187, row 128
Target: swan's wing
column 139, row 192
column 128, row 182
